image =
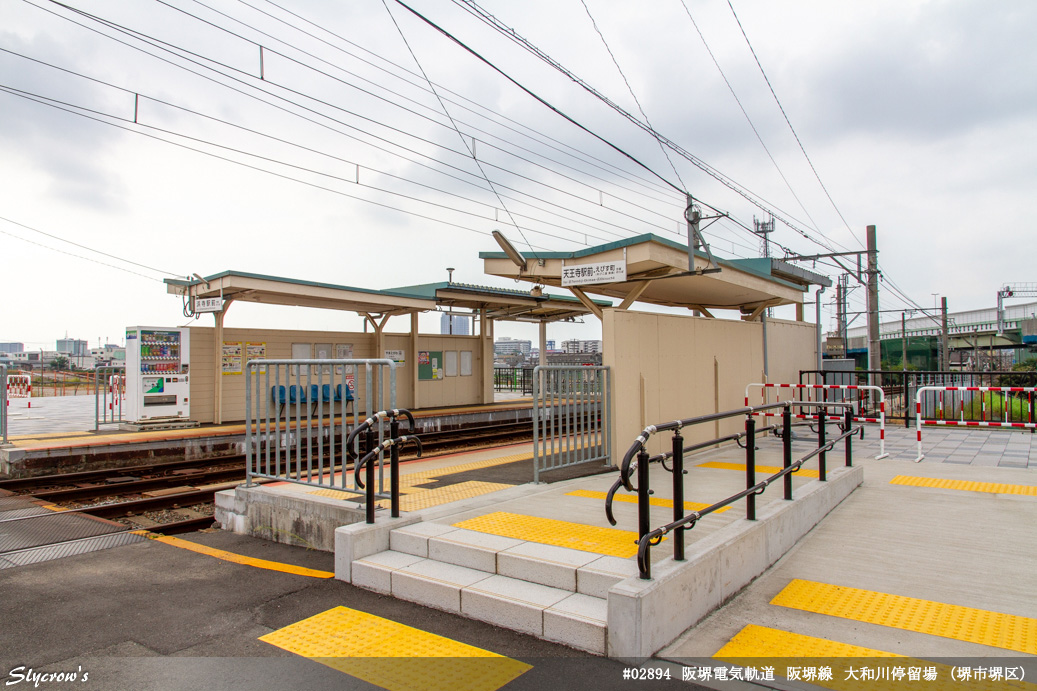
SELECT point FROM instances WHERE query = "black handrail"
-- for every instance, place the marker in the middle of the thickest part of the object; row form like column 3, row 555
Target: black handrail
column 646, row 536
column 393, row 443
column 689, row 521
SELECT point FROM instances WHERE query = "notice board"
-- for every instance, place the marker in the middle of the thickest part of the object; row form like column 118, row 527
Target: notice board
column 430, row 365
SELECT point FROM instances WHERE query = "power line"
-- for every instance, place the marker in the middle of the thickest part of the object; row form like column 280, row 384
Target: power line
column 78, row 256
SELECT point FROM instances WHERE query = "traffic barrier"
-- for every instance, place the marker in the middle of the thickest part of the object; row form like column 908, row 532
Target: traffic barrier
column 1005, row 422
column 19, row 386
column 849, row 388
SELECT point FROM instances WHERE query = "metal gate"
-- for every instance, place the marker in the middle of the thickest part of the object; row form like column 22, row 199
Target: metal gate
column 109, row 392
column 572, row 409
column 299, row 414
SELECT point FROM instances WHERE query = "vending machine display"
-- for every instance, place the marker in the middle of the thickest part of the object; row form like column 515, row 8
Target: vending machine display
column 157, row 373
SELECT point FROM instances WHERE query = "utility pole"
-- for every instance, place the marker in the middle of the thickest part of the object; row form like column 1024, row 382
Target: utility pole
column 945, row 351
column 903, row 341
column 874, row 351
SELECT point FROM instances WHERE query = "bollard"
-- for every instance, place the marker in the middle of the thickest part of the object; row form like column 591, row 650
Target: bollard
column 678, row 494
column 786, row 444
column 750, row 465
column 643, row 506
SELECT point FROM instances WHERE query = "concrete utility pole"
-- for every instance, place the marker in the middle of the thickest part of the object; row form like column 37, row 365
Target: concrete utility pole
column 903, row 341
column 945, row 339
column 874, row 350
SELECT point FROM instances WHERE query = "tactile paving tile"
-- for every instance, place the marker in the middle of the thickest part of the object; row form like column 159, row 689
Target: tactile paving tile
column 965, row 485
column 549, row 531
column 996, row 629
column 392, row 655
column 769, row 469
column 632, row 499
column 757, row 646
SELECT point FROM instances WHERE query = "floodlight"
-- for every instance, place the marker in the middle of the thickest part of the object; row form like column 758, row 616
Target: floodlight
column 509, row 249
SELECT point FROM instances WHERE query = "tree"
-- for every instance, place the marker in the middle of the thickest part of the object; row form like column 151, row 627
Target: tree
column 59, row 363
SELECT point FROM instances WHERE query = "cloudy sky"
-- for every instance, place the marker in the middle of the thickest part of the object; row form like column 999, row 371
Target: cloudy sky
column 140, row 140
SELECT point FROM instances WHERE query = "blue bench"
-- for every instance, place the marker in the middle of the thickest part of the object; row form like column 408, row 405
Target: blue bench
column 298, row 395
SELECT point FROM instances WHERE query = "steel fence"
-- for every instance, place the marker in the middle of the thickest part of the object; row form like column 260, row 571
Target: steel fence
column 297, row 417
column 572, row 409
column 513, row 379
column 900, row 387
column 3, row 403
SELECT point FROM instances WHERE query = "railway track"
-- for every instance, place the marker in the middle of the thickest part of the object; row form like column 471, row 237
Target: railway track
column 168, row 498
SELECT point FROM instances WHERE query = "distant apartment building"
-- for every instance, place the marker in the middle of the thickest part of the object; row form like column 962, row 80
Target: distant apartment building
column 10, row 348
column 456, row 324
column 72, row 346
column 510, row 346
column 575, row 345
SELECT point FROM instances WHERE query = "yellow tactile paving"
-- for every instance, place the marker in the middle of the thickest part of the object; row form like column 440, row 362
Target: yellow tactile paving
column 770, row 469
column 238, row 558
column 965, row 485
column 549, row 531
column 416, row 498
column 394, row 656
column 632, row 499
column 996, row 629
column 851, row 667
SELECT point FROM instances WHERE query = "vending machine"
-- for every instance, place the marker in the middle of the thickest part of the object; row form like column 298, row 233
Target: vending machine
column 157, row 371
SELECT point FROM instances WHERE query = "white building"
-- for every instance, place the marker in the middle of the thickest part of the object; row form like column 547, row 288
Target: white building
column 575, row 345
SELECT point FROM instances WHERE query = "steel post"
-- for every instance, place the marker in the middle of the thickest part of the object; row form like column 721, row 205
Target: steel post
column 822, row 420
column 394, row 470
column 786, row 447
column 369, row 474
column 750, row 465
column 678, row 494
column 849, row 451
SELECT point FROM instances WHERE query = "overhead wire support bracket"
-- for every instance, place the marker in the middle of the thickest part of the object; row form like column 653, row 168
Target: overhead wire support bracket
column 693, row 216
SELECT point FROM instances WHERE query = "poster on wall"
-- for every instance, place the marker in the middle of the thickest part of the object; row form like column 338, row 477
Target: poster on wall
column 231, row 357
column 450, row 363
column 255, row 351
column 466, row 363
column 430, row 365
column 322, row 351
column 344, row 351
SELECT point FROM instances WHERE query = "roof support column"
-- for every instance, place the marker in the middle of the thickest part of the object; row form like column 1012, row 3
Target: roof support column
column 412, row 360
column 217, row 364
column 543, row 343
column 486, row 336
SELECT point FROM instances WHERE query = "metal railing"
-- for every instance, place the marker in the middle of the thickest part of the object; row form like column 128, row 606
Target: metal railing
column 647, row 537
column 393, row 444
column 572, row 407
column 3, row 404
column 865, row 399
column 513, row 379
column 109, row 392
column 900, row 387
column 296, row 418
column 1009, row 407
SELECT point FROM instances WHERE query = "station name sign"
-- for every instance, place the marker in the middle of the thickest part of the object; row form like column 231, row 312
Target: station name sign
column 202, row 305
column 586, row 274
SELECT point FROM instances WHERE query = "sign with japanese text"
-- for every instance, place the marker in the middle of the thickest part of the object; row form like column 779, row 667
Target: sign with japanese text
column 586, row 274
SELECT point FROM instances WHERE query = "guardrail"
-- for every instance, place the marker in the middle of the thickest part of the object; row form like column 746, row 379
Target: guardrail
column 648, row 536
column 842, row 393
column 572, row 407
column 393, row 444
column 109, row 392
column 513, row 379
column 953, row 398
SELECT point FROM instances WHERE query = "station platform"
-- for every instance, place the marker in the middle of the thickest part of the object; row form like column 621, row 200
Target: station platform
column 929, row 561
column 53, row 436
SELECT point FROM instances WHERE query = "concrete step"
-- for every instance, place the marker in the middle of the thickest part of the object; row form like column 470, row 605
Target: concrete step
column 555, row 614
column 556, row 567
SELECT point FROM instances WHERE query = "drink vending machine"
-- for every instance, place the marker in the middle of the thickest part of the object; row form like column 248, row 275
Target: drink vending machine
column 157, row 364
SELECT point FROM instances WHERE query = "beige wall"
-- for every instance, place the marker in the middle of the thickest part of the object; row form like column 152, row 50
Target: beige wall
column 669, row 367
column 459, row 390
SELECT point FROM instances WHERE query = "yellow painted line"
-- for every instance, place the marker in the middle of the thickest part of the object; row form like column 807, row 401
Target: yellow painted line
column 548, row 531
column 631, row 499
column 965, row 485
column 995, row 629
column 771, row 469
column 394, row 656
column 759, row 646
column 237, row 558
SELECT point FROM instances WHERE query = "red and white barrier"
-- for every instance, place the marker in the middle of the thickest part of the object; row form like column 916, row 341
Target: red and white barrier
column 983, row 422
column 19, row 386
column 881, row 419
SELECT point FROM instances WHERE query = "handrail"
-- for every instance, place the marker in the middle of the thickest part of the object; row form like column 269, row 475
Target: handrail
column 655, row 536
column 384, row 446
column 380, row 415
column 647, row 536
column 393, row 443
